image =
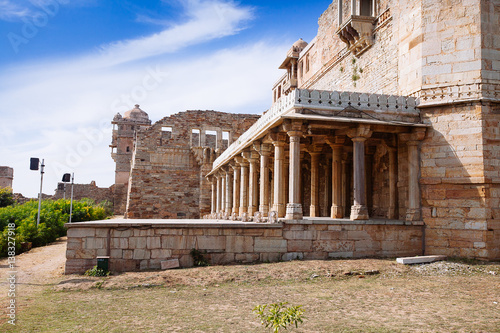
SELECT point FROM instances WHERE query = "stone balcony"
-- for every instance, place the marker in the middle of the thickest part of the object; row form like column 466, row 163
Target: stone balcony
column 357, row 33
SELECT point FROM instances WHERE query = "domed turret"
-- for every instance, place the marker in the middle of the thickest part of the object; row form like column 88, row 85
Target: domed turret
column 137, row 114
column 300, row 44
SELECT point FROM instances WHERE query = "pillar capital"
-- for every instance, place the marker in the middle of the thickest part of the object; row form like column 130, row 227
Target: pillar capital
column 250, row 156
column 277, row 138
column 265, row 149
column 360, row 133
column 234, row 165
column 293, row 128
column 417, row 134
column 240, row 161
column 335, row 141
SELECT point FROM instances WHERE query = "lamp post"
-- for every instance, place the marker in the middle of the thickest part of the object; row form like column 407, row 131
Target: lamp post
column 66, row 179
column 34, row 164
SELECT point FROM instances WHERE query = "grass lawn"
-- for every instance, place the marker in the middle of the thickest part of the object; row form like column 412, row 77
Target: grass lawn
column 337, row 296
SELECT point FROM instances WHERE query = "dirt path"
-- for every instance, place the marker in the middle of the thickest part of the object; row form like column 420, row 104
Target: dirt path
column 35, row 271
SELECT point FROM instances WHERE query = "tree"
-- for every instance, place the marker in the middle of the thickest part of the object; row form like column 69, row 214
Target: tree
column 6, row 197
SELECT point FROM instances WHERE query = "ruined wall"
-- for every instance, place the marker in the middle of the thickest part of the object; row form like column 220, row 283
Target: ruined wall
column 6, row 176
column 80, row 191
column 169, row 164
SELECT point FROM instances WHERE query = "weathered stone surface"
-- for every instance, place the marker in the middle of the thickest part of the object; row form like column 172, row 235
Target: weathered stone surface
column 169, row 264
column 270, row 245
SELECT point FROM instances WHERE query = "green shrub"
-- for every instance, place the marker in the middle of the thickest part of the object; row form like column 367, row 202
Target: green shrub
column 96, row 271
column 199, row 259
column 53, row 216
column 279, row 316
column 6, row 197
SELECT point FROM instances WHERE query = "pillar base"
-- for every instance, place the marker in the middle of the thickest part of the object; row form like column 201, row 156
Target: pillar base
column 242, row 211
column 251, row 211
column 294, row 211
column 413, row 214
column 359, row 213
column 264, row 209
column 280, row 209
column 337, row 212
column 314, row 211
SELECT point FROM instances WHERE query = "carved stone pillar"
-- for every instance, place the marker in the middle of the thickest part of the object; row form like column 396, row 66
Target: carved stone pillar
column 243, row 185
column 253, row 194
column 236, row 187
column 393, row 179
column 359, row 135
column 219, row 193
column 294, row 207
column 214, row 194
column 336, row 143
column 413, row 212
column 223, row 192
column 229, row 192
column 265, row 152
column 279, row 141
column 315, row 151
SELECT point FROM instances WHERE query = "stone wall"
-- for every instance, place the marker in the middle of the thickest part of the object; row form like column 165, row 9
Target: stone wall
column 6, row 176
column 135, row 245
column 81, row 191
column 167, row 178
column 459, row 177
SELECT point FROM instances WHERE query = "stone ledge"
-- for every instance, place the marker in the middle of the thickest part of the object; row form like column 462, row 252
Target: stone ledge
column 325, row 220
column 122, row 223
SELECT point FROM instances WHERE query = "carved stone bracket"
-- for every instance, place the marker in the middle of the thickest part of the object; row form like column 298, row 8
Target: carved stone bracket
column 357, row 33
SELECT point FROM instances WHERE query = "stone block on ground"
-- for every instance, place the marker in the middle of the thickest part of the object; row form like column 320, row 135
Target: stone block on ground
column 420, row 260
column 169, row 264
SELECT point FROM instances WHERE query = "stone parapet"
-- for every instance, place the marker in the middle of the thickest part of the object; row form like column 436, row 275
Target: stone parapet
column 139, row 245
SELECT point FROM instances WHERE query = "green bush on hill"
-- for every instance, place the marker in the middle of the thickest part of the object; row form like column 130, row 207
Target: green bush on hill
column 53, row 216
column 6, row 197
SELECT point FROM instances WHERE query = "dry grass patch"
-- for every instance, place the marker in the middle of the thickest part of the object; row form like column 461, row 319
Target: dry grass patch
column 337, row 296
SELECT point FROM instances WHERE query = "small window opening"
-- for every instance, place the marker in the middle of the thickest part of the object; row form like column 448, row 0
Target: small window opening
column 195, row 137
column 128, row 149
column 211, row 139
column 166, row 132
column 225, row 139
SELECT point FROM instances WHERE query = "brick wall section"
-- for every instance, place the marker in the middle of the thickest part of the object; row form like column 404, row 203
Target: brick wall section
column 137, row 246
column 167, row 180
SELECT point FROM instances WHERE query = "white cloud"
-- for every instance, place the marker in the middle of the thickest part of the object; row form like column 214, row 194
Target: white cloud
column 10, row 11
column 61, row 110
column 207, row 20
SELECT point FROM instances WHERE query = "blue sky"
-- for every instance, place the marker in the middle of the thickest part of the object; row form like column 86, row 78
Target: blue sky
column 67, row 66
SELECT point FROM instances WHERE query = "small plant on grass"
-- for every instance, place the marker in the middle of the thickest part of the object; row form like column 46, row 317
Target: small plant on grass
column 278, row 316
column 199, row 259
column 96, row 271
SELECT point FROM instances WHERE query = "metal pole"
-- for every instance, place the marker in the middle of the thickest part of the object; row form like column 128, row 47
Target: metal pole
column 71, row 205
column 40, row 194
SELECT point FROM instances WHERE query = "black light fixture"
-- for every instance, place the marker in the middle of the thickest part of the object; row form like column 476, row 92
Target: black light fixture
column 34, row 164
column 66, row 179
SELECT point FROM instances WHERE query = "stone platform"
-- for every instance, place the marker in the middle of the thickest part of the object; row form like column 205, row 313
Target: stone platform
column 143, row 244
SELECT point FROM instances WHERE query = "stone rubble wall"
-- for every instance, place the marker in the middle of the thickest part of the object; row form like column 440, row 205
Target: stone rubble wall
column 141, row 246
column 80, row 191
column 167, row 180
